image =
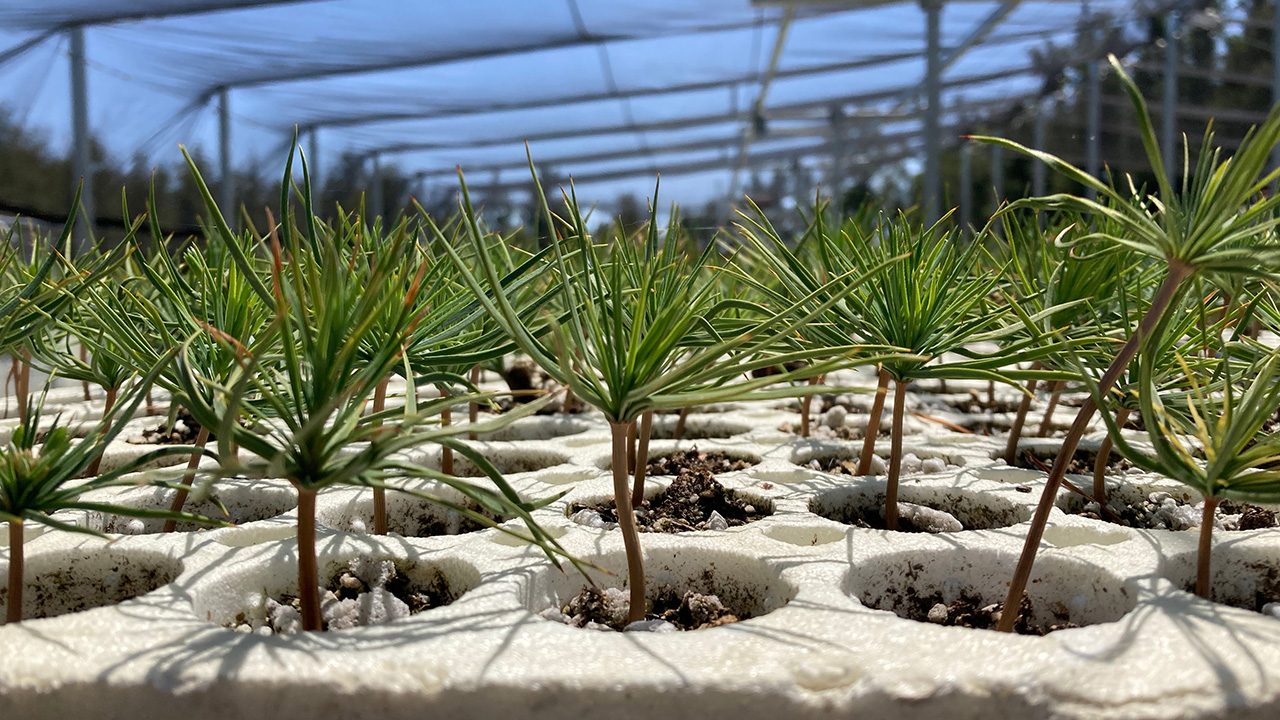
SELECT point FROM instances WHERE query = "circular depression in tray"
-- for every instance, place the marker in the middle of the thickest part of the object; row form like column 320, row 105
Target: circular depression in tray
column 407, row 515
column 249, row 597
column 862, row 505
column 245, row 501
column 743, row 586
column 70, row 580
column 1241, row 574
column 957, row 586
column 507, row 460
column 537, row 427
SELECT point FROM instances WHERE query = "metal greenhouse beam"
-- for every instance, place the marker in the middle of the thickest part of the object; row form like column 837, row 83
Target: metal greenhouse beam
column 757, row 109
column 226, row 178
column 692, row 121
column 873, row 61
column 697, row 145
column 81, row 162
column 197, row 7
column 1169, row 123
column 932, row 189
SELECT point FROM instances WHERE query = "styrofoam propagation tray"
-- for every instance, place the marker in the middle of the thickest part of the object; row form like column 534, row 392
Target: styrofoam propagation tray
column 814, row 649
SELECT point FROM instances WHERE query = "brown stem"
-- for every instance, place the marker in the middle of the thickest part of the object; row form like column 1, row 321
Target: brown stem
column 627, row 520
column 895, row 457
column 308, row 573
column 1206, row 546
column 380, row 494
column 473, row 408
column 106, row 410
column 13, row 613
column 642, row 458
column 22, row 383
column 678, row 433
column 1104, row 457
column 1168, row 289
column 1015, row 430
column 991, row 394
column 632, row 437
column 179, row 500
column 1046, row 423
column 873, row 424
column 805, row 405
column 84, row 358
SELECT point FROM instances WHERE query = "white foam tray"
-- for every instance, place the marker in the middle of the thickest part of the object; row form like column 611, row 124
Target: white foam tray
column 813, row 650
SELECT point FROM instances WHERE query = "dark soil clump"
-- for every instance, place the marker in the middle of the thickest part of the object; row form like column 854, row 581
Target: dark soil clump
column 184, row 431
column 607, row 610
column 1081, row 463
column 694, row 501
column 712, row 462
column 969, row 611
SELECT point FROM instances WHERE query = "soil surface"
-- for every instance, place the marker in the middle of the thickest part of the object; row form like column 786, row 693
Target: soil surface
column 368, row 592
column 911, row 465
column 970, row 611
column 694, row 501
column 1081, row 463
column 528, row 382
column 712, row 462
column 912, row 517
column 183, row 431
column 1164, row 511
column 669, row 610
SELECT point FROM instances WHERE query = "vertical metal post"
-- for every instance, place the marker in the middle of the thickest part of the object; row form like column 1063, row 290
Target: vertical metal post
column 227, row 181
column 1169, row 103
column 1275, row 74
column 375, row 208
column 1038, row 169
column 313, row 159
column 966, row 186
column 932, row 190
column 81, row 163
column 1093, row 164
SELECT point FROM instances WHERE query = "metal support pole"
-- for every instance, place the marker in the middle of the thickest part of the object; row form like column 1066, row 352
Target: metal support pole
column 966, row 186
column 81, row 163
column 1169, row 103
column 227, row 181
column 375, row 208
column 1093, row 164
column 1038, row 169
column 932, row 190
column 1275, row 75
column 313, row 158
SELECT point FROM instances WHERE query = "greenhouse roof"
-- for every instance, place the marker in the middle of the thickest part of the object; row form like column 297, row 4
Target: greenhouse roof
column 606, row 90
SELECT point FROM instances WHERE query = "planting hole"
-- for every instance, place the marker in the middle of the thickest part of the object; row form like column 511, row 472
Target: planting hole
column 360, row 589
column 1240, row 575
column 843, row 460
column 71, row 580
column 693, row 501
column 508, row 461
column 689, row 589
column 964, row 587
column 244, row 501
column 407, row 515
column 712, row 461
column 922, row 508
column 696, row 427
column 538, row 427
